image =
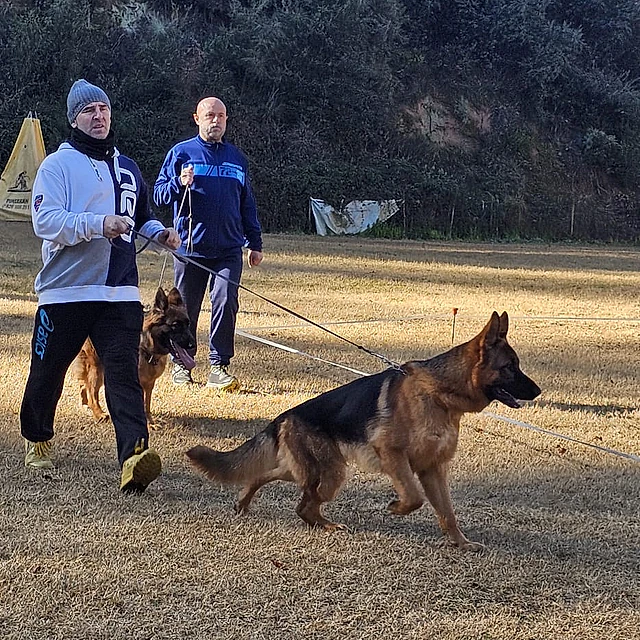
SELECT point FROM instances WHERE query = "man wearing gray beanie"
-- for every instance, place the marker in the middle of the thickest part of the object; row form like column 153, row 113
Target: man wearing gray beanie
column 81, row 94
column 87, row 199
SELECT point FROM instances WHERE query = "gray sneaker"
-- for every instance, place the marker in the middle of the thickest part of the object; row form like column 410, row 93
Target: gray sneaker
column 221, row 379
column 180, row 375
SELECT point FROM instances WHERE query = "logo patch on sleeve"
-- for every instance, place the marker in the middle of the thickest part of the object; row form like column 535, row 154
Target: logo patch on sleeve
column 37, row 201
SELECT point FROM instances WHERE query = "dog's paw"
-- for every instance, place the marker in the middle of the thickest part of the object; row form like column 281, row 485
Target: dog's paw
column 462, row 544
column 335, row 526
column 100, row 417
column 395, row 507
column 400, row 508
column 239, row 508
column 156, row 423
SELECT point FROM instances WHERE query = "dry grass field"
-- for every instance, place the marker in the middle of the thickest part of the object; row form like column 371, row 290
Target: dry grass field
column 560, row 520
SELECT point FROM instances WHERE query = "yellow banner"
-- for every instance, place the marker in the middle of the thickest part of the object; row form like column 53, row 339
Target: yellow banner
column 17, row 178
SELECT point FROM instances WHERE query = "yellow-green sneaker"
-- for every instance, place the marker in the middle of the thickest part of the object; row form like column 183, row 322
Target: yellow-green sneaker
column 38, row 455
column 140, row 470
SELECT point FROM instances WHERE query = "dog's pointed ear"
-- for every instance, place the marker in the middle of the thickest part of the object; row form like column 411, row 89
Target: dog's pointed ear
column 491, row 332
column 161, row 301
column 175, row 299
column 504, row 325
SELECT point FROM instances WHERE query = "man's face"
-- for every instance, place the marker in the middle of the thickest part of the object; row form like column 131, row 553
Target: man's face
column 95, row 120
column 211, row 118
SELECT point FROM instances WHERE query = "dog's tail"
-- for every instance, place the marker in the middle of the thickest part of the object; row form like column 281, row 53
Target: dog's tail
column 250, row 460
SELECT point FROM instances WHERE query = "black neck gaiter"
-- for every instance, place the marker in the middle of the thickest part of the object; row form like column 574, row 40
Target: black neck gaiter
column 93, row 147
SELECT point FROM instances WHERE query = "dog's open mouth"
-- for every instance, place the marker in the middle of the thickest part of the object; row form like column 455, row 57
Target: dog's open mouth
column 506, row 398
column 182, row 356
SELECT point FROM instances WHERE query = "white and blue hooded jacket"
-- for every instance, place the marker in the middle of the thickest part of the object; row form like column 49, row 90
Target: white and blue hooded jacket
column 72, row 194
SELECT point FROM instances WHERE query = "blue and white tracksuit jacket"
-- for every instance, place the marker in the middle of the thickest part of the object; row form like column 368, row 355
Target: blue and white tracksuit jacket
column 223, row 208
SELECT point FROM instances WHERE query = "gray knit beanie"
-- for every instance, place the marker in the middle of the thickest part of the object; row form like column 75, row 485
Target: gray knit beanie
column 80, row 95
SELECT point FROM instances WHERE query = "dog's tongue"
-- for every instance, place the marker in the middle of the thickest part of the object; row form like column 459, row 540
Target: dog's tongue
column 182, row 356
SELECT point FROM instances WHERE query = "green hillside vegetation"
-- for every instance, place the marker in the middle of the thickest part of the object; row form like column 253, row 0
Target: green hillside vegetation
column 490, row 119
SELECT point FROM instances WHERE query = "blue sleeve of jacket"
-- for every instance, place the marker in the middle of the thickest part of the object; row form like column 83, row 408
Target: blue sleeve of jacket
column 167, row 187
column 248, row 212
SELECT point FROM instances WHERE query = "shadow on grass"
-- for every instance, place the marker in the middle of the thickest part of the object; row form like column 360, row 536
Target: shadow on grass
column 576, row 517
column 599, row 409
column 585, row 528
column 16, row 324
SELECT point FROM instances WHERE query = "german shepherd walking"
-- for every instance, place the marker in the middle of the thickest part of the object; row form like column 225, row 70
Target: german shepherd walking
column 165, row 330
column 403, row 423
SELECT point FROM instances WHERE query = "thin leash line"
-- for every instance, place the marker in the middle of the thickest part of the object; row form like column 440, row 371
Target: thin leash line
column 164, row 268
column 543, row 448
column 575, row 318
column 486, row 414
column 184, row 195
column 189, row 260
column 189, row 241
column 189, row 218
column 190, row 232
column 345, row 322
column 146, row 244
column 284, row 347
column 526, row 425
column 442, row 316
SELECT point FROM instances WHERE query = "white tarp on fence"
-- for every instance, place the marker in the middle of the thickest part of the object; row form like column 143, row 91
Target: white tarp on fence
column 352, row 218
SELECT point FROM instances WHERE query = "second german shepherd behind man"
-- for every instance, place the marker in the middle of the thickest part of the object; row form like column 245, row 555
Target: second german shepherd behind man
column 165, row 330
column 403, row 423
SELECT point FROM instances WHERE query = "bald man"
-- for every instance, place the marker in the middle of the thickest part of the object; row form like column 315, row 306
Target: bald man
column 215, row 220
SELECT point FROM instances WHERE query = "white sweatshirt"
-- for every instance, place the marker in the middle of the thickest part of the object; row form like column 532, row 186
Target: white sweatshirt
column 72, row 194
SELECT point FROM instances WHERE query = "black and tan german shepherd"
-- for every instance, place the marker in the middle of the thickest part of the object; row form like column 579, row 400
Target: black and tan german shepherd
column 403, row 423
column 165, row 330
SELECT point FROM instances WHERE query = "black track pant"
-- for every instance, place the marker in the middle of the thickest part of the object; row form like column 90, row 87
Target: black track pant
column 59, row 332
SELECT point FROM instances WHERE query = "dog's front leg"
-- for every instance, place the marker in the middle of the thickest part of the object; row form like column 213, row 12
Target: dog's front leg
column 396, row 465
column 147, row 390
column 436, row 487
